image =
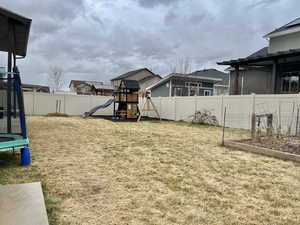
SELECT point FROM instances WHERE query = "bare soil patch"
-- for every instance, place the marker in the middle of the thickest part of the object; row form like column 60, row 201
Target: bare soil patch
column 284, row 144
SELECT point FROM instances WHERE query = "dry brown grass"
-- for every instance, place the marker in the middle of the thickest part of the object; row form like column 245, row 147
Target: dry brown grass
column 100, row 172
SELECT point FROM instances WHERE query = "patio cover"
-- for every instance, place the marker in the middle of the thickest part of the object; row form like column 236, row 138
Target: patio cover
column 10, row 23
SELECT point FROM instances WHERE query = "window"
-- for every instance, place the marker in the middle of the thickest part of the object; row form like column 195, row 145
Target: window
column 178, row 91
column 290, row 82
column 193, row 91
column 193, row 88
column 207, row 92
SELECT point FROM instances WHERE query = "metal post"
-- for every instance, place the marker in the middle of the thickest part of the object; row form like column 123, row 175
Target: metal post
column 9, row 70
column 297, row 121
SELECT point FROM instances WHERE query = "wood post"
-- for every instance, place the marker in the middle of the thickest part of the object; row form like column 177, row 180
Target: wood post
column 269, row 124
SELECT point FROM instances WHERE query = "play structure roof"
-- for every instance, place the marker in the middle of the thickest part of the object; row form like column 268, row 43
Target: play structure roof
column 131, row 84
column 21, row 26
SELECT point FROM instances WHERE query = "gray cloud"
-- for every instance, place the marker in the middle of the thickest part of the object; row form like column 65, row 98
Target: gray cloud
column 262, row 3
column 98, row 40
column 153, row 3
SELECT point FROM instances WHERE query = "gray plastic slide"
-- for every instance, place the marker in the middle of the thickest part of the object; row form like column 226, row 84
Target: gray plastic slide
column 95, row 109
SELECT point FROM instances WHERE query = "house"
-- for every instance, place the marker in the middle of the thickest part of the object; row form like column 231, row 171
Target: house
column 82, row 87
column 35, row 88
column 220, row 88
column 177, row 84
column 274, row 69
column 145, row 78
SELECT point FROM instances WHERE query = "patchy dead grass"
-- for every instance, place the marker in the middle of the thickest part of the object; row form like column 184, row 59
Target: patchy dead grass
column 100, row 172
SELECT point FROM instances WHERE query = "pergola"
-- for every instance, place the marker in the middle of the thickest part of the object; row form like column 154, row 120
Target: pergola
column 269, row 59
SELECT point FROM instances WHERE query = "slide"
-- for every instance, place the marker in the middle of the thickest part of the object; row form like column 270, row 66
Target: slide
column 95, row 109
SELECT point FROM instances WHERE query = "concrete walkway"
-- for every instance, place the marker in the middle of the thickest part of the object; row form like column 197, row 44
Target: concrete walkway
column 22, row 204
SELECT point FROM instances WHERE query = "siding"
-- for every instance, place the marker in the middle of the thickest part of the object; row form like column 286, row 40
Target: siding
column 253, row 81
column 163, row 91
column 160, row 91
column 284, row 43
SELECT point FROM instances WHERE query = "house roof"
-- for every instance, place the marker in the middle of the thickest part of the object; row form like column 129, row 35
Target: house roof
column 20, row 25
column 212, row 73
column 289, row 26
column 36, row 86
column 96, row 84
column 184, row 76
column 256, row 58
column 263, row 52
column 130, row 73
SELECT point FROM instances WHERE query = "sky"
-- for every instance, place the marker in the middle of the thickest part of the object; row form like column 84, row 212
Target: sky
column 101, row 39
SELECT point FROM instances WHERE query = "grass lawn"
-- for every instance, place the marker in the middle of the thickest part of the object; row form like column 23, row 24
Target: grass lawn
column 99, row 172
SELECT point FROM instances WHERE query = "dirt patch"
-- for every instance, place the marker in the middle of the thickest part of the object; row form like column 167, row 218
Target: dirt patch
column 57, row 115
column 284, row 144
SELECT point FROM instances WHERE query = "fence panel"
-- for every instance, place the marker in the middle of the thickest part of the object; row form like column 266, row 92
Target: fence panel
column 48, row 103
column 99, row 100
column 213, row 104
column 166, row 108
column 239, row 111
column 77, row 105
column 284, row 110
column 239, row 108
column 29, row 103
column 184, row 108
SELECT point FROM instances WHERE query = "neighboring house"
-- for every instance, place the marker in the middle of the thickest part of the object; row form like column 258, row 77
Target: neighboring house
column 144, row 76
column 220, row 88
column 271, row 70
column 35, row 88
column 90, row 88
column 183, row 85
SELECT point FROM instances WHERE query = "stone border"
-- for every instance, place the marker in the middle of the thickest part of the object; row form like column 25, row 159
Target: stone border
column 263, row 151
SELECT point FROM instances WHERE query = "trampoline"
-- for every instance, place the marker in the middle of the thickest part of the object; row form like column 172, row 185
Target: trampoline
column 14, row 34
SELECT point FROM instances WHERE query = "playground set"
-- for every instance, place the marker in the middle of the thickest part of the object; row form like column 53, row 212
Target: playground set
column 126, row 103
column 14, row 34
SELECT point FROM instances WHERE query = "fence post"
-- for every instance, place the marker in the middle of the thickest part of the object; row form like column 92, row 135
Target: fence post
column 159, row 98
column 175, row 108
column 196, row 106
column 65, row 99
column 253, row 117
column 222, row 108
column 33, row 101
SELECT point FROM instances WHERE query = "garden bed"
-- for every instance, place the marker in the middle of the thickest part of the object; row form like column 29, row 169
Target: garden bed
column 282, row 147
column 283, row 144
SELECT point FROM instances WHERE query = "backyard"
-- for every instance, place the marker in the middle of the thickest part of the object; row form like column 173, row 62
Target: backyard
column 95, row 171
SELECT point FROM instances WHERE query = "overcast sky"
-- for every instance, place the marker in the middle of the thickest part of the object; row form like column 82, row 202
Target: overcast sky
column 100, row 39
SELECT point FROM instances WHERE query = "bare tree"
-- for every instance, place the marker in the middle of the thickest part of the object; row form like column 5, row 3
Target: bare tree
column 181, row 65
column 56, row 78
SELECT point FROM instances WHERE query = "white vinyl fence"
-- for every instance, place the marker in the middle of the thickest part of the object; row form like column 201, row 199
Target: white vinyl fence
column 74, row 105
column 239, row 108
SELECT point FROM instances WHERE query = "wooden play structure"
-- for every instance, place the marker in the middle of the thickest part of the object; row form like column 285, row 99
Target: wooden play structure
column 148, row 106
column 127, row 98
